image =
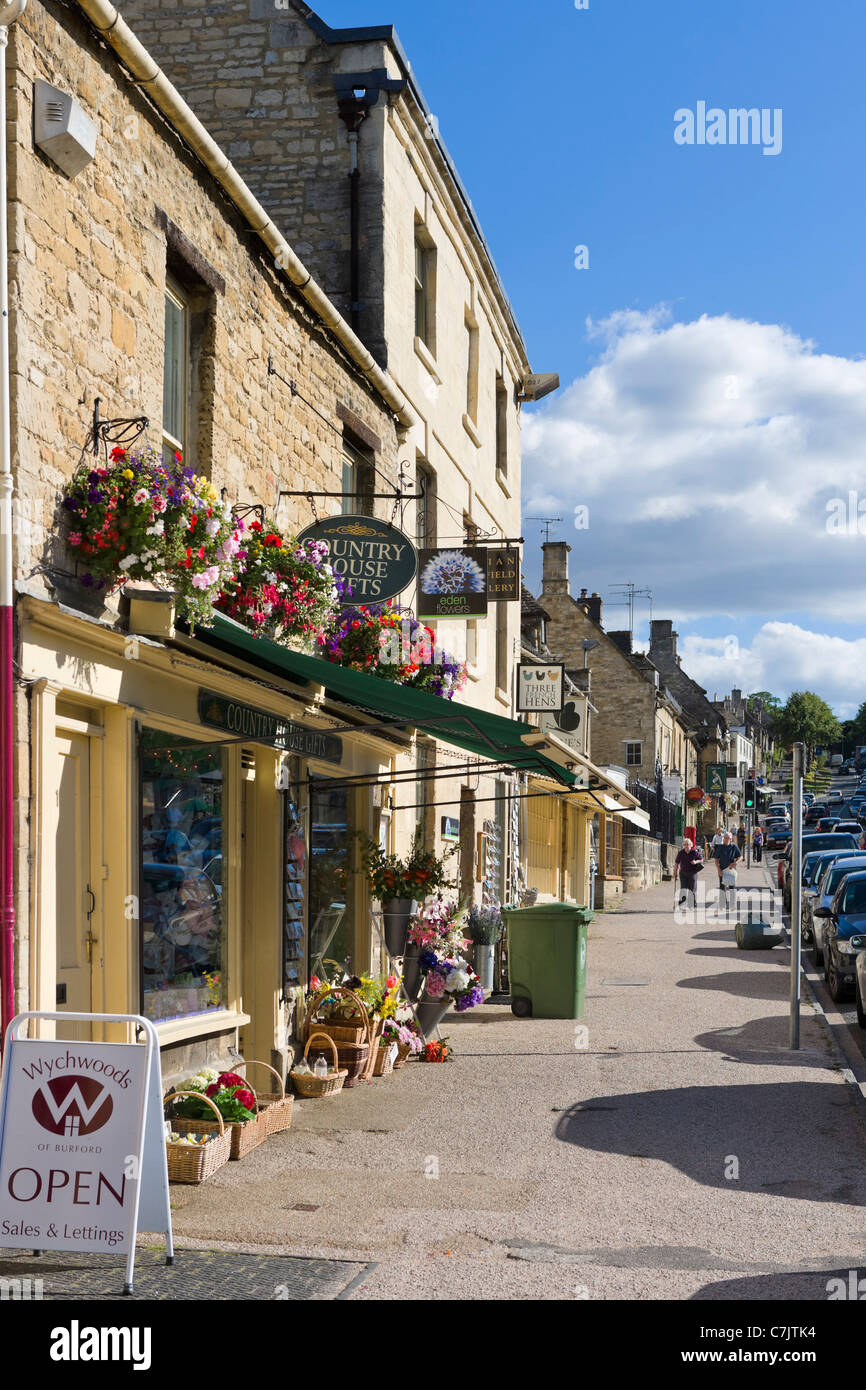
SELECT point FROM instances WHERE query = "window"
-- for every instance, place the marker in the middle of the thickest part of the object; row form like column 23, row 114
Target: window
column 613, row 845
column 425, row 289
column 471, row 368
column 501, row 427
column 633, row 755
column 358, row 479
column 425, row 507
column 175, row 380
column 182, row 887
column 472, row 643
column 502, row 654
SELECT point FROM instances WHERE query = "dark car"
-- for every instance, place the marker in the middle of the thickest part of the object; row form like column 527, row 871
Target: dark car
column 816, row 811
column 844, row 918
column 827, row 824
column 810, row 842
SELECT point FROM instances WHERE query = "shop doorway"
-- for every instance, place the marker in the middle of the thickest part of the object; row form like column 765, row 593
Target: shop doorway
column 77, row 944
column 331, row 884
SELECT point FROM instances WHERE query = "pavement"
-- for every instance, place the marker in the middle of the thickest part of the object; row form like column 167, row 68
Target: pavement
column 669, row 1147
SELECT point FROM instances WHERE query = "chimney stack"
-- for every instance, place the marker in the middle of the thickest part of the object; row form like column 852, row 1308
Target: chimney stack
column 591, row 605
column 663, row 639
column 555, row 568
column 622, row 640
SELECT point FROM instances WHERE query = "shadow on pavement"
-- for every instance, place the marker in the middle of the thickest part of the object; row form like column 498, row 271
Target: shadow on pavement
column 751, row 984
column 814, row 1287
column 761, row 1040
column 778, row 1138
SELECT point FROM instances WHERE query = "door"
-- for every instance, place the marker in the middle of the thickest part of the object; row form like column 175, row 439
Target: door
column 75, row 898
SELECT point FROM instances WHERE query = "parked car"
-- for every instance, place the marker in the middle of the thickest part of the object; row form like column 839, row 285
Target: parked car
column 816, row 811
column 777, row 835
column 835, row 797
column 845, row 917
column 858, row 946
column 846, row 827
column 827, row 890
column 827, row 824
column 810, row 842
column 814, row 866
column 778, row 811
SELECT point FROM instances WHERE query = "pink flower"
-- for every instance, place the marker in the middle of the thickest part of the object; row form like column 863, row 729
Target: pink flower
column 75, row 538
column 435, row 985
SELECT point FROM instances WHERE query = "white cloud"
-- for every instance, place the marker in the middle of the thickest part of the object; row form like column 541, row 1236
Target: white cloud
column 782, row 657
column 707, row 453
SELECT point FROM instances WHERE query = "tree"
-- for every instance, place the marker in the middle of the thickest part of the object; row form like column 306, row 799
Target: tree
column 807, row 719
column 854, row 730
column 772, row 704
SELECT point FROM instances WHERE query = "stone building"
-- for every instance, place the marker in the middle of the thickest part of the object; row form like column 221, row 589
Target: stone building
column 753, row 723
column 332, row 132
column 155, row 230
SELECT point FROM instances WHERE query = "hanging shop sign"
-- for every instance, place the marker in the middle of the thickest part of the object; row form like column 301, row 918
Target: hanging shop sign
column 450, row 828
column 503, row 575
column 539, row 687
column 716, row 778
column 452, row 583
column 569, row 723
column 247, row 721
column 376, row 559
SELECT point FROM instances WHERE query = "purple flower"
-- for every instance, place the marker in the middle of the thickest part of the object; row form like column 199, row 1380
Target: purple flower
column 87, row 580
column 71, row 504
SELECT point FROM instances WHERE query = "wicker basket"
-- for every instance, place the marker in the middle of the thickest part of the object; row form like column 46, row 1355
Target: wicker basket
column 404, row 1052
column 346, row 1031
column 383, row 1064
column 355, row 1058
column 246, row 1135
column 314, row 1087
column 275, row 1107
column 194, row 1164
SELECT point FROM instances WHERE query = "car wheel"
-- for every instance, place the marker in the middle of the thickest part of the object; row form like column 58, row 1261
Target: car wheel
column 835, row 987
column 861, row 1012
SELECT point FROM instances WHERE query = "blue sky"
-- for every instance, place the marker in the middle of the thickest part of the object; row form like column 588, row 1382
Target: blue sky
column 561, row 123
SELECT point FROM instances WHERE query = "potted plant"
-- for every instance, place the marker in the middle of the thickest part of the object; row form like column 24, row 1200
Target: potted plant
column 236, row 1102
column 484, row 929
column 436, row 925
column 399, row 883
column 447, row 981
column 404, row 1031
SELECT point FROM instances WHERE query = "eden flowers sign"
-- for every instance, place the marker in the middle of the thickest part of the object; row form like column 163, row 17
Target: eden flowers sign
column 376, row 559
column 452, row 583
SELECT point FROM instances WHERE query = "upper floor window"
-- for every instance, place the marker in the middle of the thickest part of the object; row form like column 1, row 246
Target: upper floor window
column 358, row 479
column 175, row 381
column 471, row 368
column 425, row 507
column 501, row 426
column 633, row 755
column 425, row 288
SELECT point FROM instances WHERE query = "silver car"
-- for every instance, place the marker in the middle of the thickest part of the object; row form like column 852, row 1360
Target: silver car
column 833, row 876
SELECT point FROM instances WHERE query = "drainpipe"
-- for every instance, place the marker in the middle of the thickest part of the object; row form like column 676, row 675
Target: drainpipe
column 353, row 111
column 8, row 15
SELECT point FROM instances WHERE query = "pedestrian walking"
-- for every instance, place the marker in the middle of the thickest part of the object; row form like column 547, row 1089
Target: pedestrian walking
column 688, row 864
column 741, row 837
column 717, row 842
column 758, row 844
column 727, row 856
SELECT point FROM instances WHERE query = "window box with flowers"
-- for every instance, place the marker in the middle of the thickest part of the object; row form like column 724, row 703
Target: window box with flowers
column 390, row 644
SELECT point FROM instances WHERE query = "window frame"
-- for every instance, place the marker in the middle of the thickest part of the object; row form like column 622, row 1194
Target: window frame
column 629, row 744
column 424, row 280
column 175, row 293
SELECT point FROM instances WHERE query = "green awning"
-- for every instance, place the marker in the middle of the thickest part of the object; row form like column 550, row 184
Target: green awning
column 476, row 731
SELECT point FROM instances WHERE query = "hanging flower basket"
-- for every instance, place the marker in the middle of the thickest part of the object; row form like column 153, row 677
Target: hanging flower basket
column 396, row 647
column 284, row 590
column 139, row 518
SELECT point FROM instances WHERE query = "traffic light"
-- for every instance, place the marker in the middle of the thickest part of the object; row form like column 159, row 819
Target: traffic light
column 749, row 794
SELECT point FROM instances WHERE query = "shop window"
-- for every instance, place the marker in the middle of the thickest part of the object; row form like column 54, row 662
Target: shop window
column 332, row 919
column 613, row 847
column 182, row 877
column 294, row 881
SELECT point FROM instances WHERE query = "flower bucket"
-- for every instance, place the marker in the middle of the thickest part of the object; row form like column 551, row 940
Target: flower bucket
column 484, row 958
column 395, row 920
column 430, row 1013
column 412, row 972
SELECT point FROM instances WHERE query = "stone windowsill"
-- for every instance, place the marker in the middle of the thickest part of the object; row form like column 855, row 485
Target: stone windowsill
column 428, row 359
column 469, row 426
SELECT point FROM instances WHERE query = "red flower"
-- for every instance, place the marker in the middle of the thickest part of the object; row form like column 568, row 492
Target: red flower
column 230, row 1078
column 117, row 454
column 245, row 1097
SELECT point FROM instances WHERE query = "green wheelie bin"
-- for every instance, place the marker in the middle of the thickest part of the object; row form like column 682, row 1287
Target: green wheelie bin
column 547, row 959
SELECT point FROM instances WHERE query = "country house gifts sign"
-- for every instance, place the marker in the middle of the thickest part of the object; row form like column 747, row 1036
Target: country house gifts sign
column 376, row 559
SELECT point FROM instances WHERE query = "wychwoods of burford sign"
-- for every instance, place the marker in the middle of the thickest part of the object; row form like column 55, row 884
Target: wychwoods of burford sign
column 247, row 721
column 376, row 559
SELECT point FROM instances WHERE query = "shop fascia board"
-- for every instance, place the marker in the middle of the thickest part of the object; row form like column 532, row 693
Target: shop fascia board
column 195, row 670
column 559, row 752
